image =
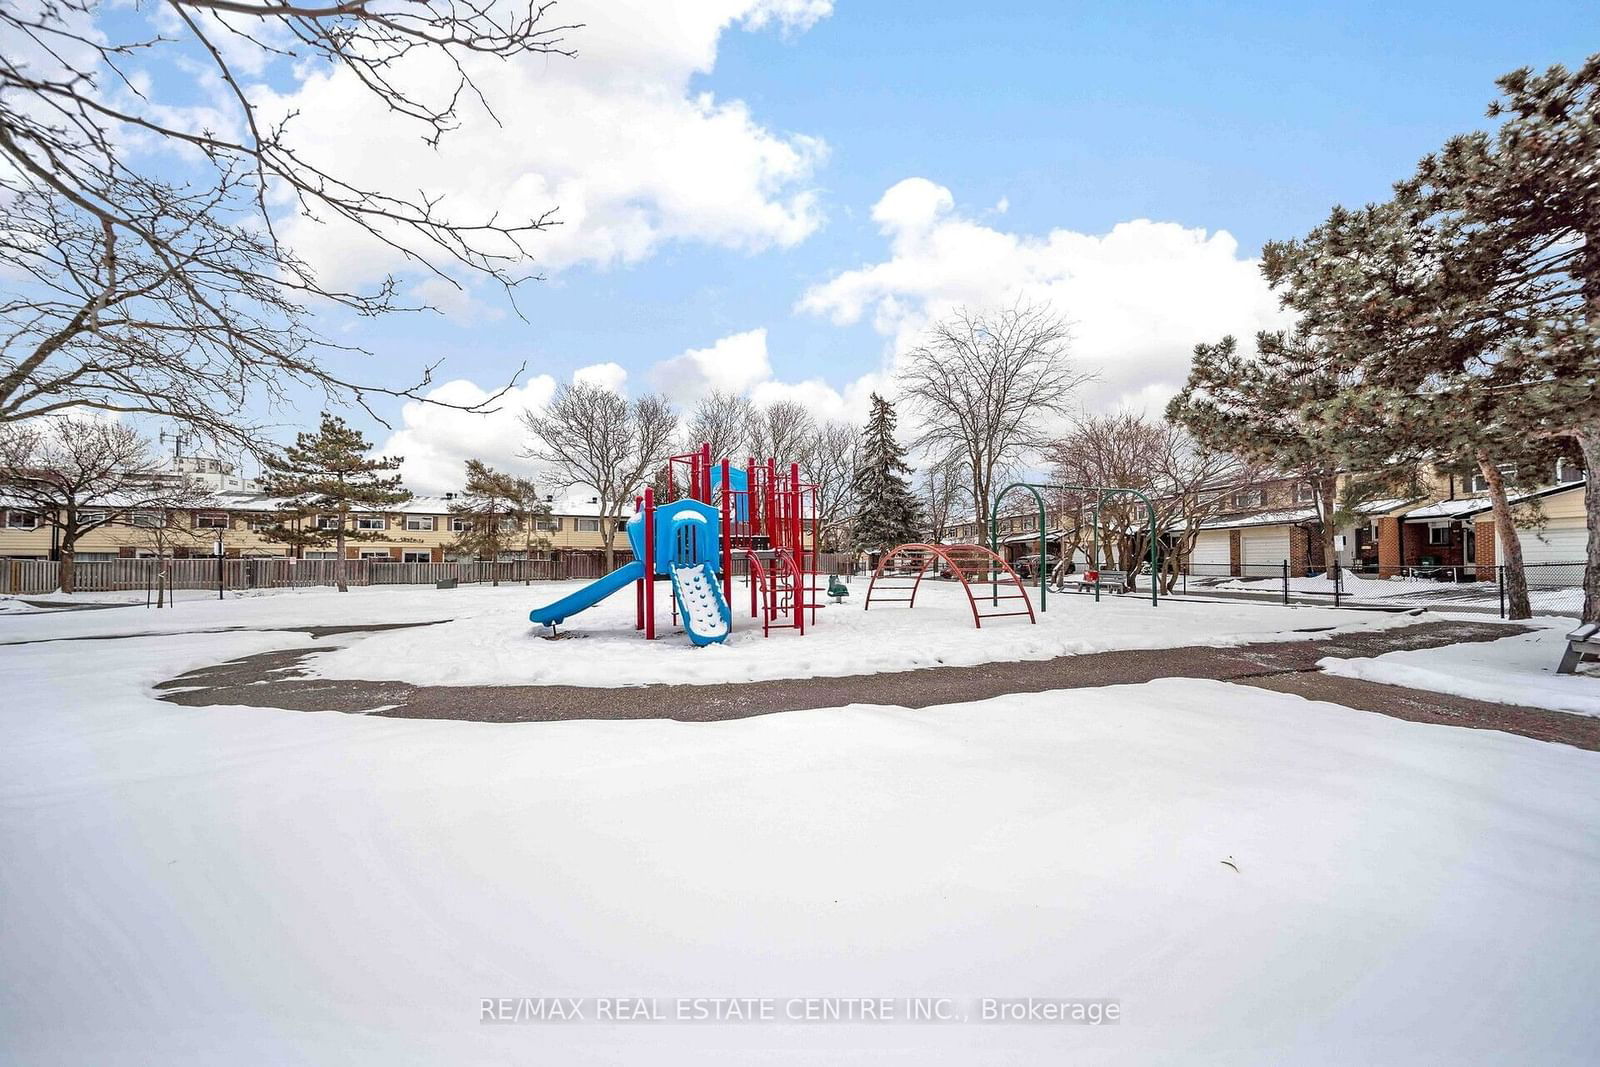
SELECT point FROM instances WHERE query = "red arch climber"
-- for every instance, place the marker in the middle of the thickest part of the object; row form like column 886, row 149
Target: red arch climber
column 964, row 562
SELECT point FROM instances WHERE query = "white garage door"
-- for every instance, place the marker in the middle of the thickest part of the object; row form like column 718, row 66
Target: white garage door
column 1210, row 550
column 1558, row 542
column 1269, row 545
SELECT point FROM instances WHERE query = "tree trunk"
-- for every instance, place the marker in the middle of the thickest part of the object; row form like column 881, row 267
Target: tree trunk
column 338, row 561
column 1328, row 492
column 1589, row 442
column 1517, row 603
column 608, row 540
column 65, row 565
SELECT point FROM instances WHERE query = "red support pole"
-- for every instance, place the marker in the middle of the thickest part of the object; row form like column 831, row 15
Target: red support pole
column 638, row 587
column 727, row 534
column 798, row 551
column 752, row 513
column 649, row 564
column 705, row 470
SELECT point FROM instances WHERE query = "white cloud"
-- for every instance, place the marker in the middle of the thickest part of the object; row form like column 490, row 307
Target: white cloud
column 739, row 363
column 437, row 441
column 614, row 137
column 1139, row 297
column 732, row 364
column 610, row 376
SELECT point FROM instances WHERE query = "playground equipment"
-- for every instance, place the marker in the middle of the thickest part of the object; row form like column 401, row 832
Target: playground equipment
column 962, row 562
column 1101, row 492
column 692, row 534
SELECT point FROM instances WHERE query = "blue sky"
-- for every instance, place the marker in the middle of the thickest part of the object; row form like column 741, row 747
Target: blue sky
column 1247, row 118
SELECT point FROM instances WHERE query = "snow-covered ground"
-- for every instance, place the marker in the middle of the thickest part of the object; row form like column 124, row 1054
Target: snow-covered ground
column 239, row 885
column 1512, row 670
column 486, row 638
column 490, row 641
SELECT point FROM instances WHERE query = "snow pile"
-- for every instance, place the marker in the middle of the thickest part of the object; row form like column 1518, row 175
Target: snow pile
column 1512, row 670
column 490, row 642
column 248, row 886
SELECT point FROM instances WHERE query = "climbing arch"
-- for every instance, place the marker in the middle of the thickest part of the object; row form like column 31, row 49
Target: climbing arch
column 966, row 563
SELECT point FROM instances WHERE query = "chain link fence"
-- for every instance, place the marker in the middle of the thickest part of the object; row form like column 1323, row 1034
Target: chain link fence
column 1553, row 588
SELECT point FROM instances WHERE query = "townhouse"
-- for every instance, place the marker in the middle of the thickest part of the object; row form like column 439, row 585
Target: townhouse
column 421, row 530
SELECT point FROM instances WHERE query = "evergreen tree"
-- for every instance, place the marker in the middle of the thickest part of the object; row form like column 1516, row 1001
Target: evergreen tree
column 888, row 513
column 1468, row 303
column 329, row 473
column 1256, row 408
column 497, row 512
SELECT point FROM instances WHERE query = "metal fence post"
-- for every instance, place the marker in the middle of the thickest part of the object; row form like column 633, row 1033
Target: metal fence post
column 1338, row 582
column 1500, row 578
column 1285, row 582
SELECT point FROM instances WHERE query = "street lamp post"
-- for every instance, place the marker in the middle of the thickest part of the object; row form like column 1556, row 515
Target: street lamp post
column 218, row 547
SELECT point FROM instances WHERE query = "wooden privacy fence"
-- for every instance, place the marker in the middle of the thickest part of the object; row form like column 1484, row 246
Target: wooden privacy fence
column 37, row 576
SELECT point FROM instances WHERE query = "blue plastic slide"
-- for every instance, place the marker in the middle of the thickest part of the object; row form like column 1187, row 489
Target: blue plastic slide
column 589, row 595
column 687, row 542
column 705, row 615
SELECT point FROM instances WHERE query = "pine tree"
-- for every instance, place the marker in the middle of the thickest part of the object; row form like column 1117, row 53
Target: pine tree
column 1257, row 409
column 494, row 508
column 329, row 473
column 888, row 513
column 1469, row 304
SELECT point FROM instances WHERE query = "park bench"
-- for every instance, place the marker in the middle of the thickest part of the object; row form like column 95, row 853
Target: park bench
column 1116, row 581
column 1584, row 641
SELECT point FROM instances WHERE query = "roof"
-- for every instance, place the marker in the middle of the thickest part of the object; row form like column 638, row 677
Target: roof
column 579, row 506
column 1461, row 507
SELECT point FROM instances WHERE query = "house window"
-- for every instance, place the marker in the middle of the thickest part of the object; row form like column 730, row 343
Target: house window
column 1480, row 484
column 1438, row 533
column 509, row 525
column 1305, row 493
column 210, row 520
column 21, row 520
column 376, row 553
column 588, row 526
column 1567, row 472
column 1249, row 498
column 327, row 522
column 417, row 557
column 460, row 525
column 372, row 522
column 148, row 519
column 322, row 555
column 419, row 522
column 549, row 525
column 90, row 518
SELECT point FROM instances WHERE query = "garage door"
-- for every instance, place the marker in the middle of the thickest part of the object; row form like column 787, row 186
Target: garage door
column 1210, row 550
column 1265, row 546
column 1558, row 542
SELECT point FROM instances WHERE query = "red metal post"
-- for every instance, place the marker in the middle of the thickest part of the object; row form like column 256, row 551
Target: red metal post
column 705, row 470
column 638, row 587
column 752, row 513
column 649, row 564
column 727, row 534
column 799, row 549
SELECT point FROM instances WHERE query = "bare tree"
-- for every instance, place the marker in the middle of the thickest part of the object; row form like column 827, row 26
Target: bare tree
column 941, row 489
column 722, row 420
column 1185, row 483
column 78, row 475
column 178, row 297
column 783, row 430
column 985, row 384
column 592, row 437
column 830, row 465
